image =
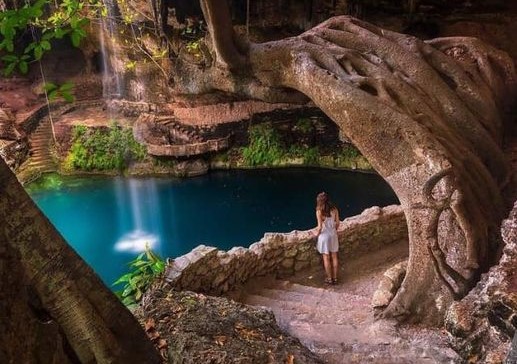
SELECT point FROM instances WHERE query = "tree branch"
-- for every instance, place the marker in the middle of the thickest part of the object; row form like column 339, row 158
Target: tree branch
column 217, row 16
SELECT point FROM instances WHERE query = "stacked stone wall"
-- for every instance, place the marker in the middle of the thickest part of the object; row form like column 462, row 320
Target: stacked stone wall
column 209, row 270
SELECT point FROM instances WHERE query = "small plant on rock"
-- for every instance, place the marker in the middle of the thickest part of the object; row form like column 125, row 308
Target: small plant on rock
column 144, row 269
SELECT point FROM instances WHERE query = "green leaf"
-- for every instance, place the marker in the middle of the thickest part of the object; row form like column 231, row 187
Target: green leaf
column 48, row 35
column 68, row 97
column 9, row 69
column 38, row 53
column 23, row 66
column 127, row 291
column 139, row 263
column 10, row 58
column 60, row 33
column 138, row 295
column 128, row 301
column 29, row 48
column 45, row 45
column 67, row 86
column 49, row 86
column 125, row 278
column 52, row 95
column 9, row 45
column 76, row 38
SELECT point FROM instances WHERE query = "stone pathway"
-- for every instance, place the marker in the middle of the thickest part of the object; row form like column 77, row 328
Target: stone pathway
column 40, row 157
column 336, row 322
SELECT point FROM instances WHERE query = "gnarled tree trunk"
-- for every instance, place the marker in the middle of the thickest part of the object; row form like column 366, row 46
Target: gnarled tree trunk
column 59, row 301
column 427, row 115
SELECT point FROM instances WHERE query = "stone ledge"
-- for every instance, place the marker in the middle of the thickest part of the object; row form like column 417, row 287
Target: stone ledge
column 212, row 271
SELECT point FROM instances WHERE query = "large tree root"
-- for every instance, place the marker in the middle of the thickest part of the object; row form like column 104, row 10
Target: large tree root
column 91, row 320
column 430, row 124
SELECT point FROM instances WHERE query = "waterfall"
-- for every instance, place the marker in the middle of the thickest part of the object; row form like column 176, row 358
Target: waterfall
column 112, row 86
column 141, row 225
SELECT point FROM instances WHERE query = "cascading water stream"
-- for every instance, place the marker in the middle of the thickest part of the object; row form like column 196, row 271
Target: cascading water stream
column 111, row 81
column 144, row 228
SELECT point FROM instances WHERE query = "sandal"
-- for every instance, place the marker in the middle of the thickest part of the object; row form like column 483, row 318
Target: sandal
column 328, row 281
column 334, row 280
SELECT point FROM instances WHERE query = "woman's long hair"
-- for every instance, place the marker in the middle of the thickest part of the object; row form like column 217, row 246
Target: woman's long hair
column 324, row 204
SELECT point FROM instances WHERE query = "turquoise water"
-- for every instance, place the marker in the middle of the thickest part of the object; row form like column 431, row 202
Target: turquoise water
column 109, row 220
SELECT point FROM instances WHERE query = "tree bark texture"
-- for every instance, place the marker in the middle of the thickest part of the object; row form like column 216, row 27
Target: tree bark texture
column 59, row 295
column 429, row 117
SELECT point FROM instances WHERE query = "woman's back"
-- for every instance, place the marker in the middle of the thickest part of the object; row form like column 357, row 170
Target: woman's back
column 329, row 222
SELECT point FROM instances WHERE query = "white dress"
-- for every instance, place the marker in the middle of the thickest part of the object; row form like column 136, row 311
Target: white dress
column 327, row 240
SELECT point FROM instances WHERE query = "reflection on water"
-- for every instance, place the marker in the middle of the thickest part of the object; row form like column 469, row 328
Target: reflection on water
column 108, row 220
column 139, row 219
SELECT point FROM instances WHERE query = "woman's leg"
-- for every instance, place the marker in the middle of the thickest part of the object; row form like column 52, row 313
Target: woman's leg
column 326, row 265
column 335, row 263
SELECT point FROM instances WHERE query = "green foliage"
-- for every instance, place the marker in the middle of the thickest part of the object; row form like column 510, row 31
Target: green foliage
column 60, row 91
column 194, row 47
column 144, row 269
column 310, row 156
column 46, row 21
column 304, row 125
column 103, row 149
column 48, row 181
column 349, row 152
column 264, row 148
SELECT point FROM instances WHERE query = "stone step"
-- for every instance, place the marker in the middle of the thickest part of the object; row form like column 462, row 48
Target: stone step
column 314, row 293
column 42, row 164
column 42, row 160
column 43, row 169
column 41, row 132
column 43, row 146
column 320, row 311
column 333, row 299
column 313, row 327
column 285, row 312
column 41, row 137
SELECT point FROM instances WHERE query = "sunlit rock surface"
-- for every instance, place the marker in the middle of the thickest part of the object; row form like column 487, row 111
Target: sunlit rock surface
column 482, row 325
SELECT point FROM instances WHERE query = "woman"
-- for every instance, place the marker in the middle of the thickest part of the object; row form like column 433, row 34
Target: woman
column 327, row 216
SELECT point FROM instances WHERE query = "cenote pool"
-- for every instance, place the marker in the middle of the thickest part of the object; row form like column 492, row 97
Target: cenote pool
column 109, row 220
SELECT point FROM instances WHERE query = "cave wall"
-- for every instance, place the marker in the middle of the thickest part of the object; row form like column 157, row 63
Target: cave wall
column 132, row 50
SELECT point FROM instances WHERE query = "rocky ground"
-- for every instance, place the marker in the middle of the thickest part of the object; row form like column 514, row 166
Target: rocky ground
column 337, row 322
column 193, row 328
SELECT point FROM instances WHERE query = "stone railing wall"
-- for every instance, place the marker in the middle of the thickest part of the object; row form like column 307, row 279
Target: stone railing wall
column 132, row 108
column 209, row 270
column 187, row 150
column 32, row 120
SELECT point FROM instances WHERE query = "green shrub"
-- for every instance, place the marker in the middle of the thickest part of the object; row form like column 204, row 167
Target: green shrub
column 144, row 269
column 304, row 125
column 265, row 147
column 349, row 152
column 48, row 181
column 103, row 149
column 310, row 156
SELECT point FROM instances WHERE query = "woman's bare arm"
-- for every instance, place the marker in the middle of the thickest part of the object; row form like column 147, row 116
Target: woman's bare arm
column 319, row 218
column 336, row 217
